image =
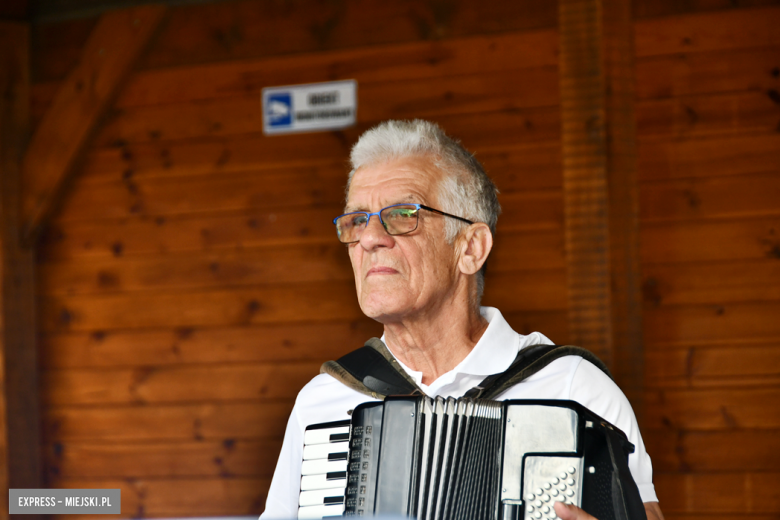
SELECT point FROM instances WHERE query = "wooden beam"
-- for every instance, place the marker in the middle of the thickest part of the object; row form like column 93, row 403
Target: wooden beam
column 82, row 100
column 600, row 184
column 20, row 446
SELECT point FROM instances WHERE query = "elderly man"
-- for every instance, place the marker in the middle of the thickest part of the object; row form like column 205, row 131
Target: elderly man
column 418, row 226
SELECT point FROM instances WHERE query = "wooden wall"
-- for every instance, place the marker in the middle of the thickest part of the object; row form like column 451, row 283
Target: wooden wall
column 191, row 282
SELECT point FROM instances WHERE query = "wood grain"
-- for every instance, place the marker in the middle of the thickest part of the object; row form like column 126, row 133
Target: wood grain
column 176, row 384
column 80, row 102
column 174, row 422
column 225, row 458
column 712, row 409
column 735, row 493
column 169, row 346
column 700, row 452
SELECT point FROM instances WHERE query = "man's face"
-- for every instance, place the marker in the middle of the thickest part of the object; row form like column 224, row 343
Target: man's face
column 406, row 275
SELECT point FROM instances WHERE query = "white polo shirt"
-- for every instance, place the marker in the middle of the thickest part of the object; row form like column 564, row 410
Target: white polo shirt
column 325, row 399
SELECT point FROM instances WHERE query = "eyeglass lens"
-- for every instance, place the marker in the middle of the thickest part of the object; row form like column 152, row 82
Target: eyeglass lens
column 397, row 220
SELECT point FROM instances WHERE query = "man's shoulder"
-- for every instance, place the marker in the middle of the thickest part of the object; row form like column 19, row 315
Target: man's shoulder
column 325, row 399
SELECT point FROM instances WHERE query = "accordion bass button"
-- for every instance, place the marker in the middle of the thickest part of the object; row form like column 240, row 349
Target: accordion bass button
column 530, row 496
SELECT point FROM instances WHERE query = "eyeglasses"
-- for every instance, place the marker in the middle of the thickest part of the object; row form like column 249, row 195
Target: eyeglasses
column 398, row 219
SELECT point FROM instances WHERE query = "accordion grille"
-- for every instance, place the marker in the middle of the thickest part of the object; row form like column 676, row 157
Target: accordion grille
column 459, row 460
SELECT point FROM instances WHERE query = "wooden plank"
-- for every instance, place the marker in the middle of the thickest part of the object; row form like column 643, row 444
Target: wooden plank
column 250, row 228
column 282, row 188
column 730, row 113
column 138, row 460
column 715, row 451
column 525, row 92
column 712, row 362
column 20, row 452
column 179, row 497
column 735, row 493
column 314, row 185
column 176, row 384
column 707, row 73
column 194, row 422
column 200, row 33
column 81, row 101
column 657, row 8
column 703, row 241
column 748, row 195
column 168, row 234
column 200, row 270
column 708, row 157
column 320, row 301
column 711, row 283
column 517, row 167
column 733, row 31
column 714, row 31
column 700, row 323
column 659, row 158
column 408, row 61
column 600, row 185
column 274, row 343
column 713, row 409
column 250, row 266
column 219, row 307
column 686, row 116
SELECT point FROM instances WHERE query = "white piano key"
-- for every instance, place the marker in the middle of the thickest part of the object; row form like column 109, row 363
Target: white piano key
column 323, row 436
column 317, row 512
column 317, row 497
column 310, row 482
column 321, row 451
column 322, row 466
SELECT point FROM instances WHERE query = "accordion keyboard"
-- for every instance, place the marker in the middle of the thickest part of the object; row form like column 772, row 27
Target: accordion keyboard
column 324, row 470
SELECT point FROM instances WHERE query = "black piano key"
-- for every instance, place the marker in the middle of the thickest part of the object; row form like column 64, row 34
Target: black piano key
column 338, row 437
column 337, row 456
column 336, row 475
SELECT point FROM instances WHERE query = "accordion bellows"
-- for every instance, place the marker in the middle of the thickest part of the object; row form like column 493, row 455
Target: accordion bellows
column 468, row 459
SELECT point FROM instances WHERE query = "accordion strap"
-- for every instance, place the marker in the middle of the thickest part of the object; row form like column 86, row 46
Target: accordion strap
column 529, row 361
column 372, row 370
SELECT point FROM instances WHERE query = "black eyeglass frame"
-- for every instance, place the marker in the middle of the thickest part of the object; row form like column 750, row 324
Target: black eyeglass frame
column 418, row 207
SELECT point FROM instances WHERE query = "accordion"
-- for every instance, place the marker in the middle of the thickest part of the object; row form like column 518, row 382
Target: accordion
column 467, row 459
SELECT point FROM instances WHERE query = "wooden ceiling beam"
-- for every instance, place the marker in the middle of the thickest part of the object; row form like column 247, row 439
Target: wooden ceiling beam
column 596, row 75
column 78, row 107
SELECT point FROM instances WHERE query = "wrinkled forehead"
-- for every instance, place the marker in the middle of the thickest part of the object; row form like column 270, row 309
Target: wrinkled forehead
column 413, row 179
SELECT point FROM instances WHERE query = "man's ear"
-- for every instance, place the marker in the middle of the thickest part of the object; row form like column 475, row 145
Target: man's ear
column 477, row 241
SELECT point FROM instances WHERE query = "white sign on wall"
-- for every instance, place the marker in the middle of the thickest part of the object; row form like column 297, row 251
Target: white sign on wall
column 309, row 108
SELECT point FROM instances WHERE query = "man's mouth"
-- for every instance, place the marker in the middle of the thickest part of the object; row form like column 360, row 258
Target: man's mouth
column 381, row 270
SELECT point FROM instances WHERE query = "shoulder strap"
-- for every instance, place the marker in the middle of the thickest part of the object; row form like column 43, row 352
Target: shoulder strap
column 529, row 361
column 372, row 370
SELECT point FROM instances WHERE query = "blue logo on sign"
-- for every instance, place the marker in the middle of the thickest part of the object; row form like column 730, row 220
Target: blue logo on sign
column 278, row 109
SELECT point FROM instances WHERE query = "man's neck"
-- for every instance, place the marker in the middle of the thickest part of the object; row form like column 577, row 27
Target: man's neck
column 436, row 344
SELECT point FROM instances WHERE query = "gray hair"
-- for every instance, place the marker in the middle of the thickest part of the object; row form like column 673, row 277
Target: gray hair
column 466, row 190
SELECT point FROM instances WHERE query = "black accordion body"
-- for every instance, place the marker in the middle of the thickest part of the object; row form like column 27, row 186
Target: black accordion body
column 468, row 459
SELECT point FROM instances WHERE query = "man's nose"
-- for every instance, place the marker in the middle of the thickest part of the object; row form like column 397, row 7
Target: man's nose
column 375, row 235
